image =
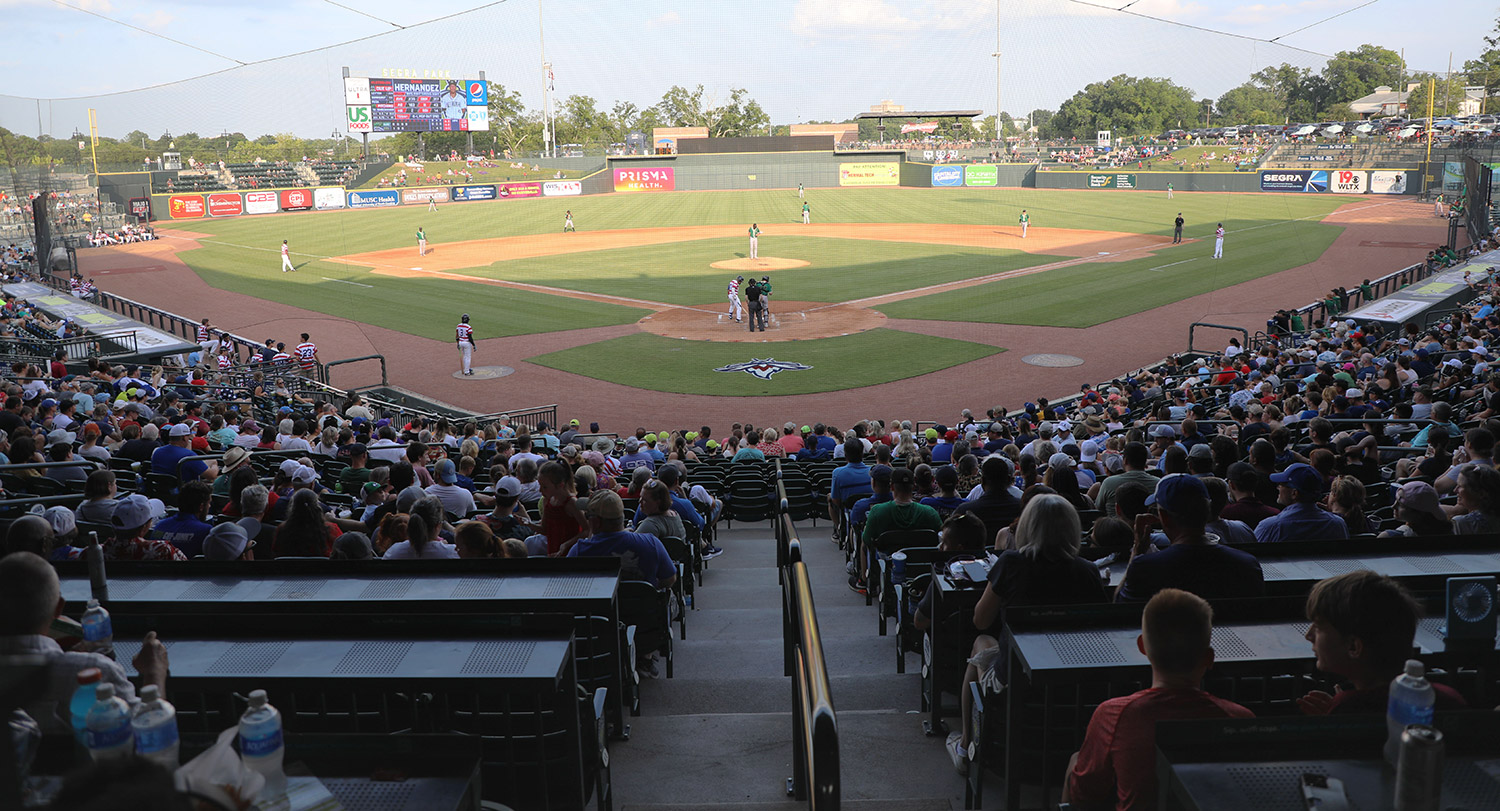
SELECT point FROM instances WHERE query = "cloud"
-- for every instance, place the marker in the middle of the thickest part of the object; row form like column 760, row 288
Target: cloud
column 670, row 18
column 156, row 20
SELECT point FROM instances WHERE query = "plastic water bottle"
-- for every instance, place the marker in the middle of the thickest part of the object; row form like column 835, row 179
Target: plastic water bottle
column 84, row 699
column 98, row 634
column 261, row 745
column 155, row 726
column 107, row 732
column 1411, row 702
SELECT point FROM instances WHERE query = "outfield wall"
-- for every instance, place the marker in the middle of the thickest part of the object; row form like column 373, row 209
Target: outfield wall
column 1313, row 181
column 745, row 171
column 968, row 175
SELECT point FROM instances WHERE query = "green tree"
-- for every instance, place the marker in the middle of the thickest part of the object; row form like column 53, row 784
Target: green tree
column 1447, row 93
column 1249, row 104
column 1125, row 105
column 1040, row 118
column 579, row 121
column 1356, row 73
column 738, row 115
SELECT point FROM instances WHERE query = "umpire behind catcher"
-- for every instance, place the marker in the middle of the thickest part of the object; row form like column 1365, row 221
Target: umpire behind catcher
column 756, row 294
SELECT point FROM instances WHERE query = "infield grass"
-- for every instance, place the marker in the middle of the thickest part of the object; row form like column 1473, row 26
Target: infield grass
column 655, row 363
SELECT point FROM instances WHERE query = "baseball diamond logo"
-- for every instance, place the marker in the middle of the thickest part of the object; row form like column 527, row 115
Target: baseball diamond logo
column 764, row 368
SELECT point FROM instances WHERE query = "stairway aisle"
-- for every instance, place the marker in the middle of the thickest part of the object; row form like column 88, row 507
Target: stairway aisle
column 718, row 734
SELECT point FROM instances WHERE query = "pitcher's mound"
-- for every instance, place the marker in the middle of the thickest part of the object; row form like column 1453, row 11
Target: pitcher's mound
column 789, row 321
column 760, row 263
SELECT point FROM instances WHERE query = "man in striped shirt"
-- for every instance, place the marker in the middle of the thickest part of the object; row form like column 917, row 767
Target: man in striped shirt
column 307, row 354
column 281, row 355
column 464, row 334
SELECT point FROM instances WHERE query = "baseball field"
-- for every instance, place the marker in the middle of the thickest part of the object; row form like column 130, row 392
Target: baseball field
column 885, row 285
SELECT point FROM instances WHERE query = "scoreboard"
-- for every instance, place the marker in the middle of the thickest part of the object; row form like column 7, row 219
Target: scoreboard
column 416, row 105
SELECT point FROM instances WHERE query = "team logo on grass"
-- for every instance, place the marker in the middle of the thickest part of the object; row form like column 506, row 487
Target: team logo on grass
column 764, row 368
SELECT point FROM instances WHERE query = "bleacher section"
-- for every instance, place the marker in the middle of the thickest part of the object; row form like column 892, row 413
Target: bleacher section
column 334, row 173
column 264, row 175
column 185, row 182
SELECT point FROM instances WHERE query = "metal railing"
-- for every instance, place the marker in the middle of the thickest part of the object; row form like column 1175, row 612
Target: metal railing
column 527, row 418
column 815, row 734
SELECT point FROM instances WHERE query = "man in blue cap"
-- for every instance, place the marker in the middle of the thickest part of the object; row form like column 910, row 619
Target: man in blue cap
column 1298, row 489
column 1210, row 570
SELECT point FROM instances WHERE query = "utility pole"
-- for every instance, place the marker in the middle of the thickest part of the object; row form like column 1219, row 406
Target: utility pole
column 1448, row 87
column 999, row 124
column 546, row 86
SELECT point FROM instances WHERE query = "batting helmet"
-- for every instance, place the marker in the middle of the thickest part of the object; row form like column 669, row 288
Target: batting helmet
column 465, row 318
column 739, row 278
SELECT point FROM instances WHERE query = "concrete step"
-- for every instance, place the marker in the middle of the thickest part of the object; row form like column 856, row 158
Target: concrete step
column 706, row 696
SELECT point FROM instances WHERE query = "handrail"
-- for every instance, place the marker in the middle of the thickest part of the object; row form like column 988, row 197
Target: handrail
column 815, row 742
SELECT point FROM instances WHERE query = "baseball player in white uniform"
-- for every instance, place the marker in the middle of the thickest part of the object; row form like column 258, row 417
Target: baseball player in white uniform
column 454, row 103
column 1219, row 242
column 736, row 307
column 464, row 334
column 286, row 258
column 754, row 241
column 568, row 221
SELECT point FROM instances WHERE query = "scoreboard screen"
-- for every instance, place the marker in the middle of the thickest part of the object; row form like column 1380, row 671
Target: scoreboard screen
column 416, row 105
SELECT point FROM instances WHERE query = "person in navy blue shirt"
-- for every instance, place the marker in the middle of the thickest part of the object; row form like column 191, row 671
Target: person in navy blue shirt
column 850, row 480
column 1191, row 563
column 642, row 557
column 1298, row 490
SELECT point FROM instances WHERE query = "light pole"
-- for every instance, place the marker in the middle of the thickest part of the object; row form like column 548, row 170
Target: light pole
column 999, row 125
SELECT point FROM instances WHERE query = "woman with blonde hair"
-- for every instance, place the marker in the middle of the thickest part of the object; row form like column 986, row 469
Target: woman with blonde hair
column 469, row 448
column 906, row 447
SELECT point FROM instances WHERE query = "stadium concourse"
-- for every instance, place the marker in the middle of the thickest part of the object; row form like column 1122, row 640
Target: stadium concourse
column 1376, row 237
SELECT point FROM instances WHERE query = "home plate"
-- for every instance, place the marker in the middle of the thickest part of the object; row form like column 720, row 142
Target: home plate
column 485, row 373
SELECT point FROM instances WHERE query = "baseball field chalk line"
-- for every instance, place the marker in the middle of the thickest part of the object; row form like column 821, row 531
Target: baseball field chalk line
column 1174, row 264
column 345, row 281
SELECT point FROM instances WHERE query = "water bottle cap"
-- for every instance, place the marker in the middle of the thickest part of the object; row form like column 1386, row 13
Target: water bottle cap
column 257, row 698
column 149, row 693
column 105, row 691
column 93, row 603
column 89, row 675
column 1414, row 667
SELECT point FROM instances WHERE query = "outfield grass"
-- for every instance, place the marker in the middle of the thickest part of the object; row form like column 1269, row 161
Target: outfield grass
column 1095, row 292
column 482, row 175
column 840, row 270
column 687, row 367
column 425, row 307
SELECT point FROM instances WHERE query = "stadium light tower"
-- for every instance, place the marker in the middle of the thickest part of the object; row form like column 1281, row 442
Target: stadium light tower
column 999, row 125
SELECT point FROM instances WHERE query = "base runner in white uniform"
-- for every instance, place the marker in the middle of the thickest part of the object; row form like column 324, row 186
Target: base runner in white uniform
column 464, row 334
column 286, row 258
column 736, row 307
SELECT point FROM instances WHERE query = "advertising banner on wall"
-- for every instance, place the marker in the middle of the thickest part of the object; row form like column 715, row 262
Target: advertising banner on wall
column 225, row 204
column 505, row 191
column 327, row 198
column 947, row 175
column 654, row 179
column 374, row 199
column 185, row 206
column 412, row 196
column 869, row 174
column 981, row 175
column 464, row 194
column 1298, row 180
column 1346, row 181
column 1111, row 181
column 140, row 207
column 1453, row 176
column 1388, row 183
column 562, row 188
column 261, row 202
column 296, row 199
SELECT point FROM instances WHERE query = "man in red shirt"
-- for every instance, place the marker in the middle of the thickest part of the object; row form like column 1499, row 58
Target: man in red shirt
column 1116, row 765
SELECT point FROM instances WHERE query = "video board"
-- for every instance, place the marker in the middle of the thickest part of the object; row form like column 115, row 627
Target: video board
column 381, row 105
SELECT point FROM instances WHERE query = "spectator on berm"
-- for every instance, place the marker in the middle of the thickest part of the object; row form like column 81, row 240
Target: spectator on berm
column 1298, row 490
column 1115, row 767
column 1190, row 562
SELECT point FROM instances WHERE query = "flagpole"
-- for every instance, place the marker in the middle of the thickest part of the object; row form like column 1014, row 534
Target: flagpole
column 546, row 86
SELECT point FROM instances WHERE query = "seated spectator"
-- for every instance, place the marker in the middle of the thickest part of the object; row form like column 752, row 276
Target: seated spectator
column 748, row 452
column 507, row 520
column 1043, row 569
column 352, row 546
column 422, row 542
column 475, row 540
column 455, row 500
column 996, row 506
column 563, row 519
column 946, row 479
column 169, row 459
column 1227, row 530
column 659, row 517
column 30, row 533
column 1362, row 629
column 62, row 451
column 850, row 480
column 1134, row 457
column 306, row 531
column 132, row 519
column 880, row 493
column 1299, row 488
column 642, row 557
column 187, row 529
column 233, row 459
column 228, row 541
column 1346, row 499
column 1190, row 562
column 353, row 477
column 1115, row 767
column 1418, row 511
column 1478, row 501
column 98, row 498
column 30, row 599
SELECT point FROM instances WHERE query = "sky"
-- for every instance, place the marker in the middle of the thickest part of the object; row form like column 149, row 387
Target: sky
column 803, row 60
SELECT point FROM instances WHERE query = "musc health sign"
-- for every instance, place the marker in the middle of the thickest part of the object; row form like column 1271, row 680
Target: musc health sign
column 653, row 179
column 374, row 199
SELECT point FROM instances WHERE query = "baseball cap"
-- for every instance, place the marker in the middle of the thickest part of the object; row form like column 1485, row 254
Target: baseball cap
column 807, row 429
column 306, row 475
column 59, row 436
column 181, row 429
column 371, row 488
column 632, row 444
column 1300, row 477
column 606, row 504
column 880, row 473
column 289, row 467
column 1354, row 394
column 604, row 445
column 225, row 541
column 1201, row 451
column 1059, row 460
column 446, row 472
column 61, row 518
column 951, row 436
column 930, row 433
column 508, row 486
column 406, row 498
column 569, row 451
column 354, row 449
column 1176, row 493
column 902, row 476
column 947, row 474
column 572, row 423
column 48, row 403
column 1163, row 431
column 650, row 438
column 713, row 444
column 131, row 512
column 1420, row 496
column 1088, row 450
